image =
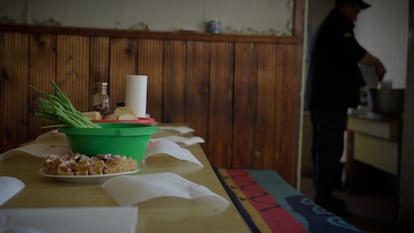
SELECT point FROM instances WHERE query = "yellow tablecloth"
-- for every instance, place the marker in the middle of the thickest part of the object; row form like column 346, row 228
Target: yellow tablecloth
column 43, row 192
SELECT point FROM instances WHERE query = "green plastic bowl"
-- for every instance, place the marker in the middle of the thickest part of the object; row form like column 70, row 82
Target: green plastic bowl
column 126, row 139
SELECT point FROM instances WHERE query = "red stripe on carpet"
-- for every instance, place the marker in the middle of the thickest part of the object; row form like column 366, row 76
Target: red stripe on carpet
column 277, row 218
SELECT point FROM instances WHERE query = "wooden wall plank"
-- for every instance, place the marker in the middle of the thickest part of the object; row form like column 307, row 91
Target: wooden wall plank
column 73, row 69
column 14, row 89
column 291, row 117
column 266, row 94
column 198, row 87
column 98, row 65
column 151, row 62
column 123, row 62
column 220, row 133
column 285, row 138
column 280, row 108
column 42, row 59
column 173, row 94
column 245, row 100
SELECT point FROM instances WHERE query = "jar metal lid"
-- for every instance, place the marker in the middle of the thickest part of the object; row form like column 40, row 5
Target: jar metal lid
column 102, row 84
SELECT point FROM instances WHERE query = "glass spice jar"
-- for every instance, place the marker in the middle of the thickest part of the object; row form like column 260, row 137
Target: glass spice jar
column 101, row 101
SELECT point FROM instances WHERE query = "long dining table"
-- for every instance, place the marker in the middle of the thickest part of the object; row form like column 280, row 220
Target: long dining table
column 46, row 192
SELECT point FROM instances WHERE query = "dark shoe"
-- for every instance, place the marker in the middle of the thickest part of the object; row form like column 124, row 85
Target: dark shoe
column 338, row 210
column 334, row 205
column 330, row 199
column 337, row 207
column 338, row 201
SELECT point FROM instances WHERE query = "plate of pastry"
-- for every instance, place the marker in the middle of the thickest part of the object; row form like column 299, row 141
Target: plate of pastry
column 86, row 179
column 79, row 168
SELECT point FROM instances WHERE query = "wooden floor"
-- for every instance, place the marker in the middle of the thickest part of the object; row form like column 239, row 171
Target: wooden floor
column 370, row 213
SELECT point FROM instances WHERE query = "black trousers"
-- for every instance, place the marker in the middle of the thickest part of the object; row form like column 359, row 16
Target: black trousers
column 327, row 149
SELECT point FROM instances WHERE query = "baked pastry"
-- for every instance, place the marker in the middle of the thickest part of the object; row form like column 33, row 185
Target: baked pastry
column 80, row 165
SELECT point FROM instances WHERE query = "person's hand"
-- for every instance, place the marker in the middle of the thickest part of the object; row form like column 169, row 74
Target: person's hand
column 369, row 59
column 380, row 70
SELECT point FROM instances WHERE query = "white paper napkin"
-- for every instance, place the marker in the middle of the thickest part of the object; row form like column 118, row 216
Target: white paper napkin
column 160, row 147
column 180, row 129
column 131, row 190
column 52, row 138
column 38, row 150
column 9, row 186
column 164, row 146
column 156, row 146
column 185, row 140
column 69, row 220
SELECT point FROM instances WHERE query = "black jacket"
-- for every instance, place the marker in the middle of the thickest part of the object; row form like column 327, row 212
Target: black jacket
column 334, row 74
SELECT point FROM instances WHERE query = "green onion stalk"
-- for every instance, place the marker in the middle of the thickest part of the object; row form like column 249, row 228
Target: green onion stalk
column 59, row 110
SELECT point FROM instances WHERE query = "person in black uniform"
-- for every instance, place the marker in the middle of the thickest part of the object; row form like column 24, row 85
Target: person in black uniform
column 335, row 81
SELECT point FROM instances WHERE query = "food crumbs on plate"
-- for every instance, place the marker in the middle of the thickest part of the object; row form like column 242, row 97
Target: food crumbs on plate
column 81, row 165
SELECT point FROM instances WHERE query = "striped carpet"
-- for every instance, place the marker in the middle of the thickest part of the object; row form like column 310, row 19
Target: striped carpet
column 269, row 204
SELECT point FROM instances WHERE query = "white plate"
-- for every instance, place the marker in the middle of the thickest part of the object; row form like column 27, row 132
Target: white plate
column 87, row 179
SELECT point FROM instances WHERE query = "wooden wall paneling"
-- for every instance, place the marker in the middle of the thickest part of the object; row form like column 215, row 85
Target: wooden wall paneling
column 14, row 89
column 73, row 69
column 266, row 95
column 173, row 90
column 42, row 60
column 292, row 102
column 220, row 131
column 198, row 87
column 284, row 138
column 123, row 62
column 98, row 65
column 245, row 100
column 151, row 62
column 279, row 109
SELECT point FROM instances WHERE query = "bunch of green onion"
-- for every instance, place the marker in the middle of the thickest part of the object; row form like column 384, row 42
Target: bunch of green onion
column 59, row 110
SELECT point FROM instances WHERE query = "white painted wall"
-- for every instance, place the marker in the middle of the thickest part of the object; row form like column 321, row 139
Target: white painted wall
column 383, row 30
column 236, row 16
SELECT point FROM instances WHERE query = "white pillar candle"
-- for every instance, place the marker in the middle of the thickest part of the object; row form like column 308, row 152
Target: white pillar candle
column 136, row 94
